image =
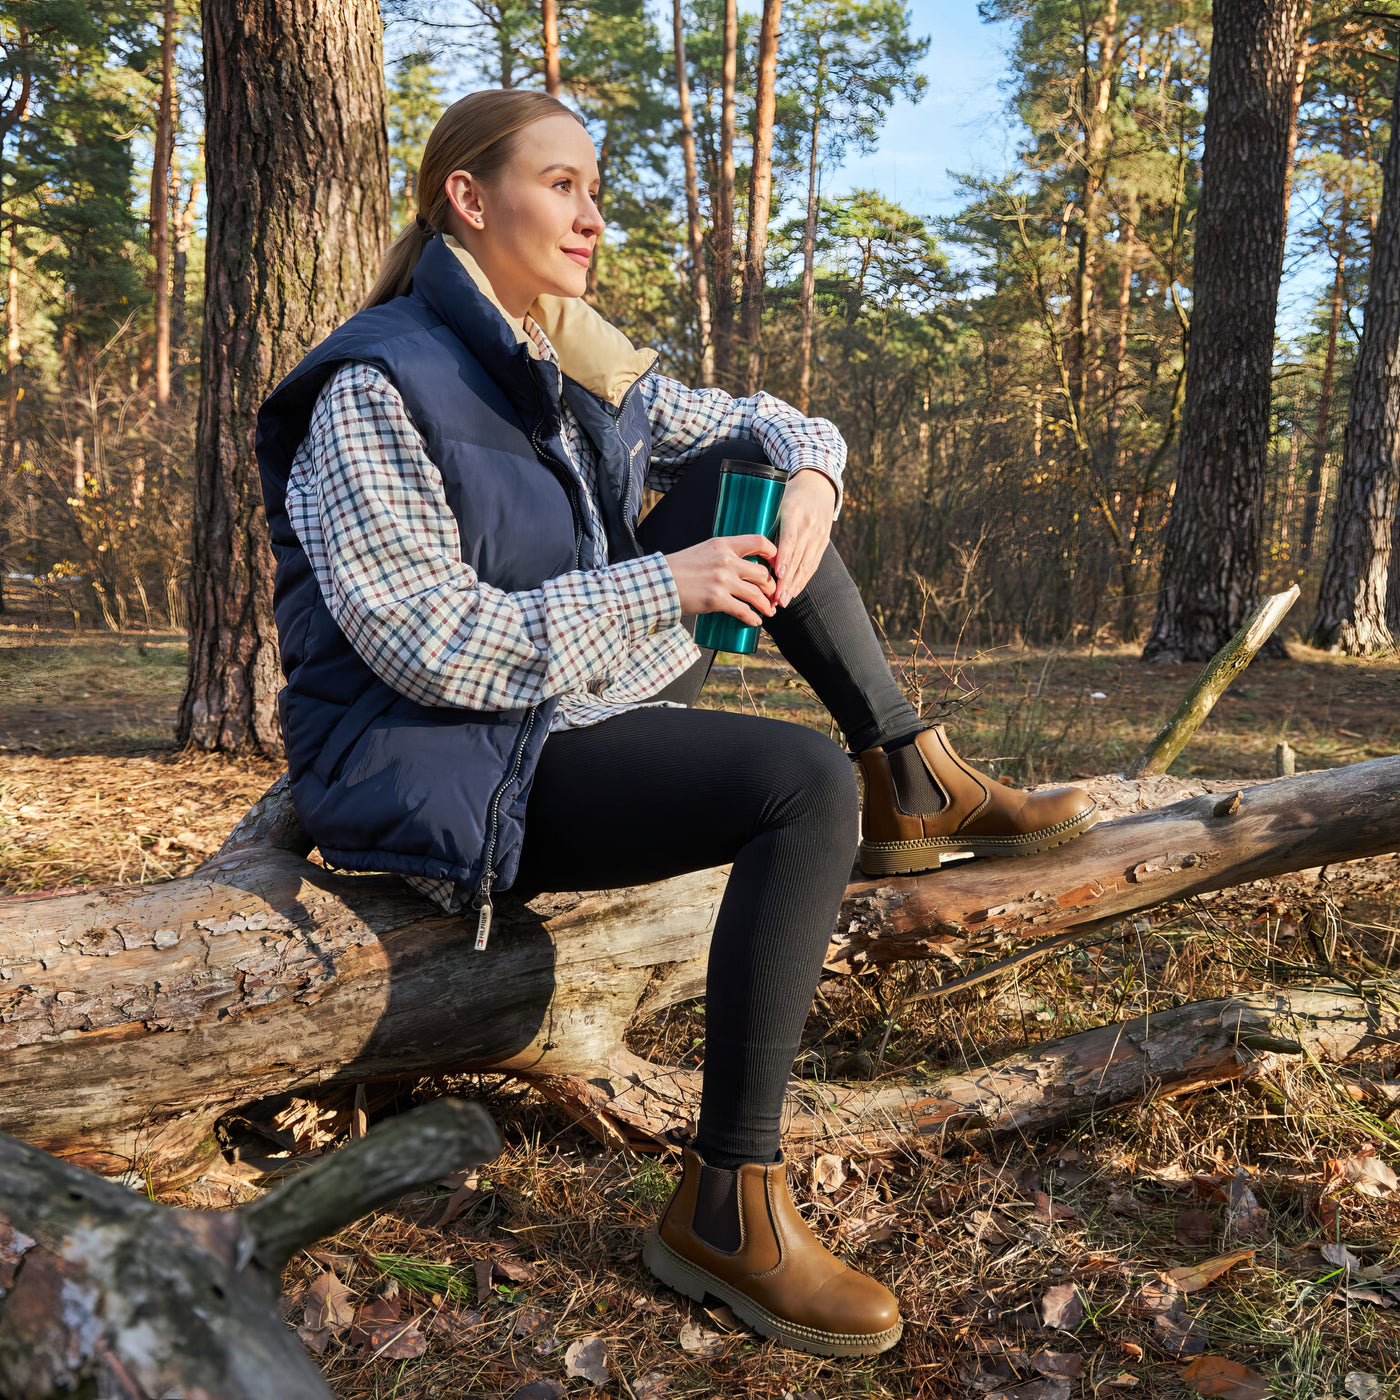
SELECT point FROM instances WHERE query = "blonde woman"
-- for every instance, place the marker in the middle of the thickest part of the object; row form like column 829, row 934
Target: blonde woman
column 490, row 666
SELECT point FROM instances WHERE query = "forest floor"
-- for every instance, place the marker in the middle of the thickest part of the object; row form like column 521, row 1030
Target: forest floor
column 519, row 1279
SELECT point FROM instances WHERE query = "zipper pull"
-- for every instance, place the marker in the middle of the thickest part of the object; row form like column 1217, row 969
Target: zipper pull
column 481, row 902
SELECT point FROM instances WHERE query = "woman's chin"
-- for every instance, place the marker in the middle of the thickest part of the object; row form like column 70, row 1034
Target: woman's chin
column 571, row 282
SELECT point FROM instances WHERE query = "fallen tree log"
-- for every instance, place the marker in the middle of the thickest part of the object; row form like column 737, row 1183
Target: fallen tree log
column 105, row 1292
column 1174, row 1050
column 132, row 1019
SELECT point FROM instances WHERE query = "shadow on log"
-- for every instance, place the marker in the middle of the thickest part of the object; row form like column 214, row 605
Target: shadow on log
column 132, row 1019
column 104, row 1292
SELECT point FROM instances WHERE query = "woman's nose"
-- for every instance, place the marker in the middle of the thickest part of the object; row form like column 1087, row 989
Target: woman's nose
column 590, row 220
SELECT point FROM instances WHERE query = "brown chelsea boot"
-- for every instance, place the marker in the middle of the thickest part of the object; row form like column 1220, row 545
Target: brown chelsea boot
column 777, row 1277
column 922, row 802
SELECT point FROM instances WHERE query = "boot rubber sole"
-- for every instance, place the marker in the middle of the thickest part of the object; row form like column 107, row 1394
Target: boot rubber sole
column 695, row 1282
column 916, row 857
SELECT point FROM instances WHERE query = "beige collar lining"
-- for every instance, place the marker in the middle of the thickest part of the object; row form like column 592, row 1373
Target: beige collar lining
column 591, row 351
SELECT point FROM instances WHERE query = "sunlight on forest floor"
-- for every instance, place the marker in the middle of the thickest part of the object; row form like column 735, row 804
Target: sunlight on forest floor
column 540, row 1250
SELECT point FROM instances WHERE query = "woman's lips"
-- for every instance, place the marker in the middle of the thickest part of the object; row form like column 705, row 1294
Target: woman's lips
column 582, row 256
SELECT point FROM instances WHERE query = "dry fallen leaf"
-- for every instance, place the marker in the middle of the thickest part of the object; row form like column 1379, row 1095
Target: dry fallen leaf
column 1062, row 1307
column 402, row 1342
column 725, row 1318
column 1058, row 1363
column 1121, row 1201
column 508, row 1268
column 457, row 1328
column 1047, row 1209
column 376, row 1321
column 329, row 1305
column 1050, row 1388
column 1361, row 1385
column 987, row 1226
column 1178, row 1334
column 828, row 1173
column 1215, row 1375
column 528, row 1321
column 1132, row 1349
column 1341, row 1256
column 701, row 1341
column 1194, row 1226
column 482, row 1269
column 543, row 1389
column 868, row 1225
column 587, row 1358
column 1245, row 1218
column 652, row 1386
column 1369, row 1175
column 1191, row 1277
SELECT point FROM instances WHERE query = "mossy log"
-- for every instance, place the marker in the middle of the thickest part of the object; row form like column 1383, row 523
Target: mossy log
column 132, row 1019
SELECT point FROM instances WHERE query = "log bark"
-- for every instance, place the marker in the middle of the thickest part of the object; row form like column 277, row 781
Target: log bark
column 132, row 1019
column 105, row 1292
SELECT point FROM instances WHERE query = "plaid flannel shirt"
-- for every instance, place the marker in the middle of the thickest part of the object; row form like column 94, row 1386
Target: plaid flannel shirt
column 368, row 506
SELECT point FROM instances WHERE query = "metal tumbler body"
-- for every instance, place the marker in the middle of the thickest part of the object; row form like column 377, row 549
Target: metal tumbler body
column 749, row 496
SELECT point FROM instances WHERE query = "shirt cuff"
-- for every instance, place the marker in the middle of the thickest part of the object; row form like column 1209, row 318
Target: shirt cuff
column 647, row 593
column 834, row 477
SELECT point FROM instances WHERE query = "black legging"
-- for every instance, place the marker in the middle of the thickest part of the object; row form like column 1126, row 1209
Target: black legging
column 657, row 792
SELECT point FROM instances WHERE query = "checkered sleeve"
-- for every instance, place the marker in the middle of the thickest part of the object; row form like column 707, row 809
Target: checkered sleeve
column 368, row 505
column 687, row 422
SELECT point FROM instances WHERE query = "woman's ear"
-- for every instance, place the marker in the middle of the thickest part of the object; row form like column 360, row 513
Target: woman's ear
column 464, row 195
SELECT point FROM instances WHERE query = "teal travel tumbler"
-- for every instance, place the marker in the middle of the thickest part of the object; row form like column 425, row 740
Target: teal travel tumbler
column 749, row 495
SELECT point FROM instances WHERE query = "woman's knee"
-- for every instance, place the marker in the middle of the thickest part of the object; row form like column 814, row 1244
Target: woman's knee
column 819, row 783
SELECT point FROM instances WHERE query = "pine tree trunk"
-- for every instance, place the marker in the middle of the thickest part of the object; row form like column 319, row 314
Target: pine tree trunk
column 760, row 192
column 551, row 47
column 1295, row 102
column 1211, row 545
column 1352, row 602
column 809, row 254
column 1312, row 500
column 723, row 217
column 298, row 217
column 700, row 282
column 179, row 281
column 160, row 203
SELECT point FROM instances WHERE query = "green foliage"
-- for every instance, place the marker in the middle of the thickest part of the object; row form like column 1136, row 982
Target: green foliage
column 416, row 98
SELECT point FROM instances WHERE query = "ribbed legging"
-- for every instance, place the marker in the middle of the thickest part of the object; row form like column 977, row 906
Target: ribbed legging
column 653, row 793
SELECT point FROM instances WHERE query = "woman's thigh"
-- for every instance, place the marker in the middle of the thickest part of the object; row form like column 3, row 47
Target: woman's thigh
column 657, row 792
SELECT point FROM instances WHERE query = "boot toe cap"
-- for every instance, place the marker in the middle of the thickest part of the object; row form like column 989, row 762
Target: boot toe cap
column 855, row 1305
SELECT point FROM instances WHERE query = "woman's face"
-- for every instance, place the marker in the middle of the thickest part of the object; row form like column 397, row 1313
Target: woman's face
column 533, row 226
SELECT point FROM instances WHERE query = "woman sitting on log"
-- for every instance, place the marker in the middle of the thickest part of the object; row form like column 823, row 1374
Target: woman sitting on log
column 490, row 663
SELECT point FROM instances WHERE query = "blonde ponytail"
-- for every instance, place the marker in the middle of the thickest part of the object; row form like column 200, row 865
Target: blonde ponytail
column 473, row 134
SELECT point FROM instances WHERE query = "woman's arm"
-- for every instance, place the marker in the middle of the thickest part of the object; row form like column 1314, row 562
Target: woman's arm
column 687, row 422
column 368, row 506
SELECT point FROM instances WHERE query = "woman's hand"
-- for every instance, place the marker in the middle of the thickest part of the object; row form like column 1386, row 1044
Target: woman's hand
column 717, row 577
column 804, row 527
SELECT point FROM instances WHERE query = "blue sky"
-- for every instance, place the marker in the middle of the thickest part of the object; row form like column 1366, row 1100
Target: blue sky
column 958, row 126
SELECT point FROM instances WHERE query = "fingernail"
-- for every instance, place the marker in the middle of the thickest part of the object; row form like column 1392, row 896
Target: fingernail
column 782, row 570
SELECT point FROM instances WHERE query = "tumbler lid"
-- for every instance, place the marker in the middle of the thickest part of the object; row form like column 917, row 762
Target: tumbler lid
column 738, row 467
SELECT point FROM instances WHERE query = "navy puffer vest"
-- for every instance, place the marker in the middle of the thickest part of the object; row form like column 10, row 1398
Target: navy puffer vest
column 379, row 781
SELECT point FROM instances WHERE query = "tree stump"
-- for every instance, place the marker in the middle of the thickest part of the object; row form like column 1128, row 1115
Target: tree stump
column 132, row 1019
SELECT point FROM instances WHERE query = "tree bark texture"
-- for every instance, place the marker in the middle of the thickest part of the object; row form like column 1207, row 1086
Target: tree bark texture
column 298, row 217
column 104, row 1292
column 1211, row 544
column 722, row 213
column 699, row 278
column 760, row 193
column 1352, row 599
column 132, row 1019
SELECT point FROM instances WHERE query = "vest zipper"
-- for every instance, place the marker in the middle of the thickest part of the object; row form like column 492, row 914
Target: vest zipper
column 481, row 901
